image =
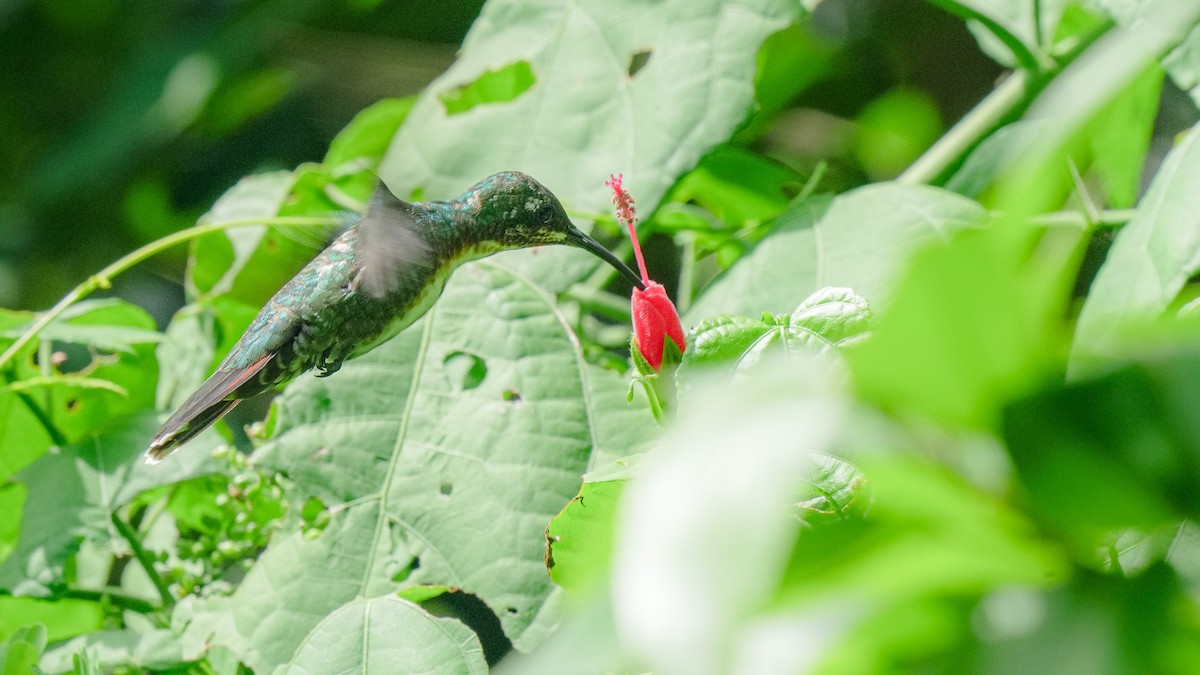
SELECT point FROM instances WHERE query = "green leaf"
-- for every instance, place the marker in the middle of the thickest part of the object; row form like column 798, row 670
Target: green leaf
column 973, row 325
column 1182, row 63
column 113, row 650
column 12, row 499
column 1119, row 138
column 1013, row 32
column 413, row 466
column 20, row 656
column 427, row 644
column 63, row 409
column 73, row 493
column 585, row 116
column 579, row 541
column 737, row 186
column 1118, row 451
column 1150, row 261
column 369, row 133
column 858, row 240
column 108, row 325
column 63, row 618
column 825, row 322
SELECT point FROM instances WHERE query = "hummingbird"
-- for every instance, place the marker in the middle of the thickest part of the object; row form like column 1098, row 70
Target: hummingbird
column 374, row 280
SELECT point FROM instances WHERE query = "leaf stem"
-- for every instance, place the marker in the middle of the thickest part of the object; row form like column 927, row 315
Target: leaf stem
column 602, row 302
column 103, row 278
column 144, row 559
column 981, row 120
column 118, row 598
column 1084, row 221
column 1025, row 57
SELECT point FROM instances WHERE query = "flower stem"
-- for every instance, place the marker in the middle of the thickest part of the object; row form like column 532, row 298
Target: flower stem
column 103, row 278
column 144, row 559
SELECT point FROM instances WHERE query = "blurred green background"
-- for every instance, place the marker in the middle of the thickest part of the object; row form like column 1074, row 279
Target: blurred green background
column 122, row 121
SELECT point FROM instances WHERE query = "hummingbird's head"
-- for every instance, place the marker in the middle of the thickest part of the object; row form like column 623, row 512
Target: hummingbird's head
column 515, row 211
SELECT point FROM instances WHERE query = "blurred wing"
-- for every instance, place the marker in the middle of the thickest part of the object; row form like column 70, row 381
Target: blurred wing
column 390, row 244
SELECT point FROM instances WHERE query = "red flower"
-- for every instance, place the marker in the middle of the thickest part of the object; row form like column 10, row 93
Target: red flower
column 654, row 315
column 655, row 320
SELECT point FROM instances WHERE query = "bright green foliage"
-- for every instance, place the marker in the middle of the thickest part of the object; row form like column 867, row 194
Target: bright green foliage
column 21, row 653
column 1152, row 258
column 579, row 540
column 74, row 494
column 910, row 432
column 827, row 321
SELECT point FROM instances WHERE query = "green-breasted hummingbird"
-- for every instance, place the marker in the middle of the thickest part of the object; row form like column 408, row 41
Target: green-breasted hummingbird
column 378, row 277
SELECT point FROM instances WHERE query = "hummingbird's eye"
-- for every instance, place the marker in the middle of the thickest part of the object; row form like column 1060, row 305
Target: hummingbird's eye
column 545, row 214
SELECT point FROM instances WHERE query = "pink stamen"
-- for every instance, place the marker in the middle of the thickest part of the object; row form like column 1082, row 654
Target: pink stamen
column 627, row 214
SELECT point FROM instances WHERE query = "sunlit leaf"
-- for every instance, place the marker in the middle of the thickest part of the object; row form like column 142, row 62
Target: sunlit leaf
column 429, row 645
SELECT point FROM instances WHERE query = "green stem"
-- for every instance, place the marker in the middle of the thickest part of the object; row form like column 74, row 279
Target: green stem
column 973, row 127
column 687, row 271
column 607, row 304
column 1025, row 58
column 103, row 279
column 114, row 596
column 1083, row 221
column 144, row 559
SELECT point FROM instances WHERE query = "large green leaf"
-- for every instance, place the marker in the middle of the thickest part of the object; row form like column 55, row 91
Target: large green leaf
column 73, row 493
column 585, row 116
column 387, row 634
column 858, row 240
column 441, row 455
column 1150, row 261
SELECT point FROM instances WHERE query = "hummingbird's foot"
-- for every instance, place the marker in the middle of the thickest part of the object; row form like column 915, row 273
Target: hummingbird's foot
column 329, row 367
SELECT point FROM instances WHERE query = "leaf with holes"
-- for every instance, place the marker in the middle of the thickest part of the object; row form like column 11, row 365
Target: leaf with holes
column 440, row 456
column 583, row 89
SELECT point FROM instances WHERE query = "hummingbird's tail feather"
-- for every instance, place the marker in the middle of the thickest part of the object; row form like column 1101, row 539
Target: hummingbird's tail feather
column 212, row 401
column 171, row 436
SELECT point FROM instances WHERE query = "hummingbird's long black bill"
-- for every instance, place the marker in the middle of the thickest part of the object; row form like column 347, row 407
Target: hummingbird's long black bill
column 581, row 240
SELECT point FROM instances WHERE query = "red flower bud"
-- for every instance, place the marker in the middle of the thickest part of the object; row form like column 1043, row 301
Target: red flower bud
column 655, row 320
